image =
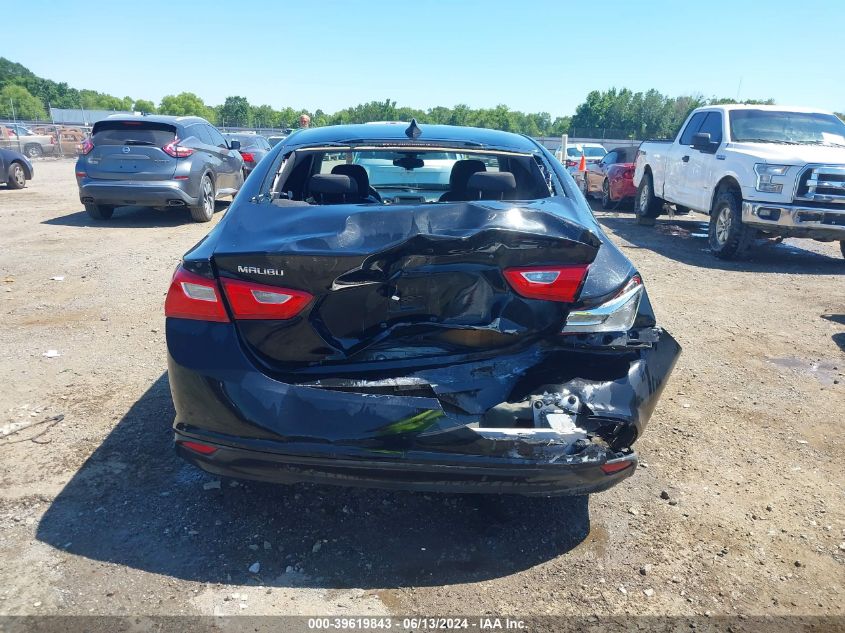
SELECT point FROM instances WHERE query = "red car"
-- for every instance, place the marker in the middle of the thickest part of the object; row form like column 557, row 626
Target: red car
column 611, row 177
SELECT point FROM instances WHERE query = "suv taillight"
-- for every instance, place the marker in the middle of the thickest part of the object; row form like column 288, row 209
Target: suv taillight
column 176, row 151
column 552, row 283
column 248, row 157
column 87, row 146
column 193, row 296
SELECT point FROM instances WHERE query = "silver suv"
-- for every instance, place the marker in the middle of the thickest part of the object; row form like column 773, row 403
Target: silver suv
column 157, row 161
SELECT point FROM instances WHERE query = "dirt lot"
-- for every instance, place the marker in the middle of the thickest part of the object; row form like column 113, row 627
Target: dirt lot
column 97, row 515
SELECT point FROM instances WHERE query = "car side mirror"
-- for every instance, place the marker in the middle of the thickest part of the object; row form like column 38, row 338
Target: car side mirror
column 237, row 144
column 702, row 142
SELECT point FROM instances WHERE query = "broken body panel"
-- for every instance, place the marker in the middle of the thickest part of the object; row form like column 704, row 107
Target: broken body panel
column 416, row 363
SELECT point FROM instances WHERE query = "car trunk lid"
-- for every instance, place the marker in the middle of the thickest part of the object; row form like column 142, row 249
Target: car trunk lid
column 404, row 283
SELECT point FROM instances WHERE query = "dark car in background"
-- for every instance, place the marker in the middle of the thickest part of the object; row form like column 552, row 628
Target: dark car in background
column 253, row 148
column 157, row 161
column 15, row 169
column 472, row 333
column 611, row 178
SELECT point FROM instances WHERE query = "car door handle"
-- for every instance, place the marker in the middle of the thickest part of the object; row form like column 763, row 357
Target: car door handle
column 685, row 159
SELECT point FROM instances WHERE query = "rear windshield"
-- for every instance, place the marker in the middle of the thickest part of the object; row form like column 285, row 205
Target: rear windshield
column 589, row 152
column 247, row 140
column 133, row 133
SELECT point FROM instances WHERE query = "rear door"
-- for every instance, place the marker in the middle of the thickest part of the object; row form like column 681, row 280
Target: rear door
column 131, row 150
column 229, row 162
column 676, row 187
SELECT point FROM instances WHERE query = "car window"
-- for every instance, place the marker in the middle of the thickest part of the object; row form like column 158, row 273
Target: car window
column 200, row 133
column 216, row 137
column 610, row 158
column 712, row 125
column 133, row 132
column 692, row 127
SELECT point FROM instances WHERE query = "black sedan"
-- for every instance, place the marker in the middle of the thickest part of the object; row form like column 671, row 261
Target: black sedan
column 474, row 331
column 15, row 169
column 254, row 147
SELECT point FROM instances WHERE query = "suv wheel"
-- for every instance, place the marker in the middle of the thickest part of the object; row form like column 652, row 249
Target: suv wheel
column 204, row 210
column 33, row 150
column 99, row 211
column 728, row 236
column 16, row 178
column 648, row 205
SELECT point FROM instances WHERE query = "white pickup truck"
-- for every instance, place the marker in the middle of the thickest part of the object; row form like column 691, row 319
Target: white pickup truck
column 754, row 169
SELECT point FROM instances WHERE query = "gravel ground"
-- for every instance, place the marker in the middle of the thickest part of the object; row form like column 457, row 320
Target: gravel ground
column 737, row 508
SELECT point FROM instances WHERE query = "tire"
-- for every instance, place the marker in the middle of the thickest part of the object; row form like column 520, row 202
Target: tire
column 606, row 201
column 33, row 150
column 728, row 237
column 842, row 247
column 16, row 177
column 647, row 205
column 99, row 211
column 204, row 211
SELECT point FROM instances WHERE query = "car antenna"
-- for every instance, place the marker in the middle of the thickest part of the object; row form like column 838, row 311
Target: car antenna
column 413, row 130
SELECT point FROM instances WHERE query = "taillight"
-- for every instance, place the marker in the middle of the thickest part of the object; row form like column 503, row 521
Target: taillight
column 571, row 163
column 249, row 157
column 614, row 467
column 197, row 447
column 194, row 297
column 256, row 301
column 176, row 151
column 87, row 146
column 552, row 283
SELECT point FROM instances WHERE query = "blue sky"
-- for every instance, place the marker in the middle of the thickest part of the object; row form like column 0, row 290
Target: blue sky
column 532, row 56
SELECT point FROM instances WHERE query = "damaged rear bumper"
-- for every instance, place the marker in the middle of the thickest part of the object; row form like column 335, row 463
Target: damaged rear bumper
column 411, row 470
column 539, row 421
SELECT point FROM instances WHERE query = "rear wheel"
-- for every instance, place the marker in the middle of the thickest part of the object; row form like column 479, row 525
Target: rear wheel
column 204, row 211
column 648, row 205
column 16, row 178
column 606, row 201
column 33, row 150
column 729, row 238
column 99, row 211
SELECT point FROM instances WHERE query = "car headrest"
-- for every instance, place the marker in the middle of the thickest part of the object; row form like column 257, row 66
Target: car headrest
column 462, row 170
column 492, row 183
column 357, row 173
column 334, row 184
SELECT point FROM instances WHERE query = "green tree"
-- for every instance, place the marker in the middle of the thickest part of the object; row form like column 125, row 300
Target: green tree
column 186, row 104
column 17, row 99
column 142, row 105
column 235, row 111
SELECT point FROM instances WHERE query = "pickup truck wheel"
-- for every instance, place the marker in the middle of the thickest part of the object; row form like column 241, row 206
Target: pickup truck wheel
column 33, row 150
column 99, row 211
column 204, row 211
column 16, row 178
column 648, row 205
column 728, row 236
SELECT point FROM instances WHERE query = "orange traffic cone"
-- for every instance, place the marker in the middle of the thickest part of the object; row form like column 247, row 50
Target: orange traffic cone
column 582, row 166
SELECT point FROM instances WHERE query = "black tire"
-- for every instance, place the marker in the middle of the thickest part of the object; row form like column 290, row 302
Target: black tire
column 33, row 150
column 606, row 202
column 99, row 211
column 204, row 211
column 16, row 177
column 728, row 237
column 648, row 206
column 842, row 247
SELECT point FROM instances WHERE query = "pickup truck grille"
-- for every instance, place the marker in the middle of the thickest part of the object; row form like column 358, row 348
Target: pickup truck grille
column 822, row 183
